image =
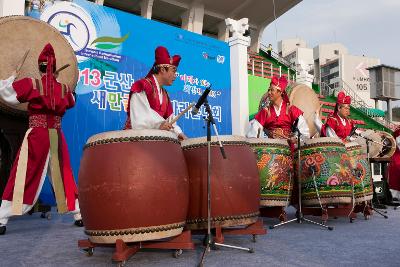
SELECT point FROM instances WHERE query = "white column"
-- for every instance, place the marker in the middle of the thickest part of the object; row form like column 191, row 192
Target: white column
column 146, row 7
column 187, row 20
column 12, row 7
column 192, row 19
column 198, row 17
column 389, row 109
column 239, row 77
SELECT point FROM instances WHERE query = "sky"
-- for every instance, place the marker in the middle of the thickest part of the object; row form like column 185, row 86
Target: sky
column 365, row 27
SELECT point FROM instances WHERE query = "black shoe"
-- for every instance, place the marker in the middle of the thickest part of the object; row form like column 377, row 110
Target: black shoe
column 2, row 230
column 78, row 223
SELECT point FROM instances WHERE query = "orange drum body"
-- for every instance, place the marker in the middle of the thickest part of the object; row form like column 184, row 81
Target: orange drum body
column 235, row 185
column 133, row 185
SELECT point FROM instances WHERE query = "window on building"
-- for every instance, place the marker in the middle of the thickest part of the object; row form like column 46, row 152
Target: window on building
column 336, row 52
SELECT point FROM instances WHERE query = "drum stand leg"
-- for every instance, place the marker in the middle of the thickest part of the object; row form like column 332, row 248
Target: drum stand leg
column 299, row 214
column 123, row 251
column 210, row 243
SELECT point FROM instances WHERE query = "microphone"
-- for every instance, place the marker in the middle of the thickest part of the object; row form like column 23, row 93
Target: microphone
column 353, row 130
column 294, row 126
column 201, row 100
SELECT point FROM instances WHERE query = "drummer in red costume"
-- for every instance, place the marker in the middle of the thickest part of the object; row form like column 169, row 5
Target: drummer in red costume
column 339, row 124
column 149, row 105
column 279, row 116
column 394, row 168
column 44, row 147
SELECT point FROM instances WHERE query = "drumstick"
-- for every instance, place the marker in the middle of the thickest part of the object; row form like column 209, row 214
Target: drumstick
column 62, row 68
column 182, row 112
column 22, row 61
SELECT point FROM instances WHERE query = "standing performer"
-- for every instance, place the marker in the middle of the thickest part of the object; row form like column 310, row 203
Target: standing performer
column 149, row 105
column 44, row 147
column 339, row 124
column 279, row 117
column 394, row 168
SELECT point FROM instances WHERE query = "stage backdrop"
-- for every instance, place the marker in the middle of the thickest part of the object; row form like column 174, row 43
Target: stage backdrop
column 114, row 49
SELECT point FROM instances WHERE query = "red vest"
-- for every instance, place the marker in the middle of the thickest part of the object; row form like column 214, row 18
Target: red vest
column 148, row 85
column 342, row 131
column 278, row 126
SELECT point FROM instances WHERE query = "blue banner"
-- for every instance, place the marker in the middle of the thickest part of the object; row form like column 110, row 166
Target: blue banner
column 114, row 49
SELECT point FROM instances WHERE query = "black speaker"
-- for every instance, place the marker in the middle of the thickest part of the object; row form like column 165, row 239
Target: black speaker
column 379, row 190
column 382, row 193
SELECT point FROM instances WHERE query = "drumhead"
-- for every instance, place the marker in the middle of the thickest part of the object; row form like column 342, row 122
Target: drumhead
column 318, row 140
column 222, row 138
column 304, row 97
column 267, row 141
column 20, row 34
column 132, row 133
column 383, row 144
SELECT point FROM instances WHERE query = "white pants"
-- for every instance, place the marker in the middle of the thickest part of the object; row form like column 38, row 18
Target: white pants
column 6, row 206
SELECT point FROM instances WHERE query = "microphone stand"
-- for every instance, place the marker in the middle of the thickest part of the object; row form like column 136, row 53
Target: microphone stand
column 299, row 214
column 210, row 243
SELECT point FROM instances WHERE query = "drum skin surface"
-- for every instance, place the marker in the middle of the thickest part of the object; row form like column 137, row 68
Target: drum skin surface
column 307, row 100
column 328, row 157
column 20, row 34
column 274, row 162
column 133, row 185
column 235, row 186
column 363, row 190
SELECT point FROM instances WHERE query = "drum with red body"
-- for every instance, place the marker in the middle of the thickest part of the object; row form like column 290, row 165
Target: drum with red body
column 235, row 185
column 133, row 185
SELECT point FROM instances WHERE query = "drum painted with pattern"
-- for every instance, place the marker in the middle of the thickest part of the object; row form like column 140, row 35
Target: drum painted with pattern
column 361, row 171
column 327, row 158
column 133, row 185
column 235, row 186
column 275, row 168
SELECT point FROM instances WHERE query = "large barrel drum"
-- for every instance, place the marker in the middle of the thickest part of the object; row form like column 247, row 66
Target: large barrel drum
column 235, row 186
column 275, row 168
column 325, row 159
column 133, row 185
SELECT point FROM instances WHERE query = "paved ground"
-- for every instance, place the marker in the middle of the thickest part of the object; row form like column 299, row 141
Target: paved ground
column 32, row 241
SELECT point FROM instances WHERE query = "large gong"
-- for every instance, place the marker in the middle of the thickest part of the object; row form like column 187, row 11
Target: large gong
column 18, row 34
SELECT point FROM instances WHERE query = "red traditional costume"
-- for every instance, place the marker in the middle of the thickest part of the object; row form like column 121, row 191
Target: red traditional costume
column 340, row 126
column 44, row 147
column 278, row 122
column 394, row 167
column 149, row 104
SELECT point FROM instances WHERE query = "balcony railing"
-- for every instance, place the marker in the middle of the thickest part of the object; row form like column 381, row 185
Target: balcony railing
column 356, row 101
